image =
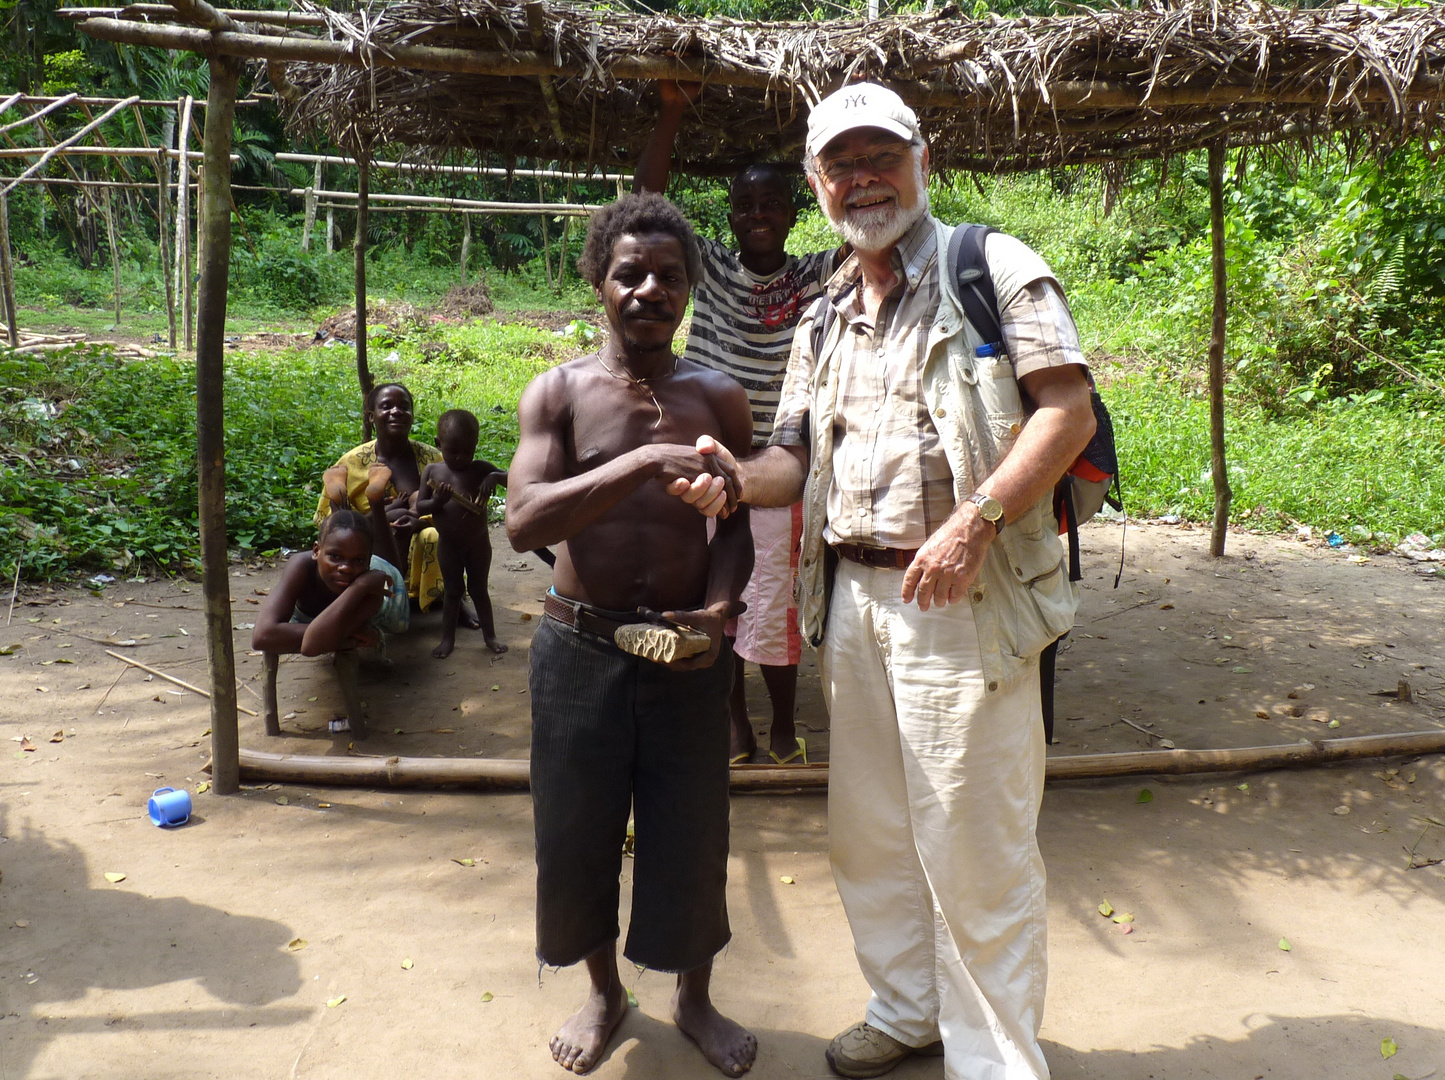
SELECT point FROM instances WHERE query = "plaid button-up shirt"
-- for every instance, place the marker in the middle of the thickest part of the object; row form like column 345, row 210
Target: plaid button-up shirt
column 892, row 486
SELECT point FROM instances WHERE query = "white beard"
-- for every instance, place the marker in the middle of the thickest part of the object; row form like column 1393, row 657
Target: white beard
column 880, row 228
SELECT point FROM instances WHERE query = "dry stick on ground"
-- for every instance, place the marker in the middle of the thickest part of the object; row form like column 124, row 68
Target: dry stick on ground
column 168, row 678
column 14, row 585
column 104, row 697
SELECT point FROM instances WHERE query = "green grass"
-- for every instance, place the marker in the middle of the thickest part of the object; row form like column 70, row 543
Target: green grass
column 1372, row 473
column 109, row 481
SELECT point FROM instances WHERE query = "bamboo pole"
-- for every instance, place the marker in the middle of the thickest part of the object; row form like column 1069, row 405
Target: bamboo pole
column 71, row 141
column 455, row 170
column 1067, row 95
column 94, row 151
column 512, row 773
column 330, row 229
column 38, row 115
column 358, row 248
column 163, row 206
column 444, row 201
column 7, row 275
column 210, row 424
column 109, row 210
column 183, row 219
column 1217, row 466
column 145, row 103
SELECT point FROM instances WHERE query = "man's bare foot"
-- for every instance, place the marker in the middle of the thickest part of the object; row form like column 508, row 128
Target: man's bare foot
column 493, row 644
column 722, row 1041
column 442, row 651
column 579, row 1043
column 333, row 485
column 377, row 477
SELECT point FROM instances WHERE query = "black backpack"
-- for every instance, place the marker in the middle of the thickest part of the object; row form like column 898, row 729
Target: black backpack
column 1093, row 478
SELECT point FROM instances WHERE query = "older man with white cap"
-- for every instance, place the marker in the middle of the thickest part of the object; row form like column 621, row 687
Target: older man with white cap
column 931, row 577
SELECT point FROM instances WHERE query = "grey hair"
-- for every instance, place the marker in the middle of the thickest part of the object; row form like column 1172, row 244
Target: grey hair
column 810, row 161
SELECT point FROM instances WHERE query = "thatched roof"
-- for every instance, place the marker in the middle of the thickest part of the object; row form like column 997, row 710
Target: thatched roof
column 556, row 81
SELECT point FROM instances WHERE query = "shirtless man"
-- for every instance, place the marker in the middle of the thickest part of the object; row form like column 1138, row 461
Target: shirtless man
column 601, row 439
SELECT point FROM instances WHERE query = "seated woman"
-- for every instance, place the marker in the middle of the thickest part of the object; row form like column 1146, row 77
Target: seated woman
column 390, row 408
column 332, row 599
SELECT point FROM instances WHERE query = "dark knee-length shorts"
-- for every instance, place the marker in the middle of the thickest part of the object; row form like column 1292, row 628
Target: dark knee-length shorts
column 611, row 733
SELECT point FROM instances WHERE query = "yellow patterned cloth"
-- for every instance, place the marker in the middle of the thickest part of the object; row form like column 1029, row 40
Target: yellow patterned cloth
column 424, row 572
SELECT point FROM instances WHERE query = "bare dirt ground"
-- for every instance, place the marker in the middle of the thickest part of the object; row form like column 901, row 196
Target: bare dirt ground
column 317, row 933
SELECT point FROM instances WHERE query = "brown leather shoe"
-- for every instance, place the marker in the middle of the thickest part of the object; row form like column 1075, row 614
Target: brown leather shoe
column 863, row 1051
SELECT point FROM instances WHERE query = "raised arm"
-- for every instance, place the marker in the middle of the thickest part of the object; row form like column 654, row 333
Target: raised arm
column 546, row 506
column 656, row 160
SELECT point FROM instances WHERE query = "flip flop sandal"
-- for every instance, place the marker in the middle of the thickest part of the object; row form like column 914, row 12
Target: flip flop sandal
column 800, row 752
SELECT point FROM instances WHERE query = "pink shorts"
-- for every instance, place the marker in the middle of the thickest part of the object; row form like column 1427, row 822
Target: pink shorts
column 767, row 633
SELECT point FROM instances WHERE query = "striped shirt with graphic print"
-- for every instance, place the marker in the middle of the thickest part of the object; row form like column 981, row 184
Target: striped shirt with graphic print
column 743, row 323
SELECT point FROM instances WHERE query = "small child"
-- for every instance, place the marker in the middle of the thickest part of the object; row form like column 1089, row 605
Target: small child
column 454, row 491
column 332, row 599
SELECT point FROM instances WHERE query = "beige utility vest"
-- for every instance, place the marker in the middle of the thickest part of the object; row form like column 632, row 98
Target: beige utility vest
column 1022, row 599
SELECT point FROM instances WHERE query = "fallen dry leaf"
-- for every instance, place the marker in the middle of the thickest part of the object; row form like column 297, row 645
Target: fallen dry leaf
column 1284, row 945
column 59, row 736
column 465, row 862
column 487, row 995
column 786, row 880
column 407, row 965
column 114, row 877
column 203, row 787
column 26, row 744
column 22, row 923
column 1388, row 1048
column 1341, row 811
column 296, row 944
column 1123, row 917
column 282, row 800
column 335, row 1001
column 1106, row 909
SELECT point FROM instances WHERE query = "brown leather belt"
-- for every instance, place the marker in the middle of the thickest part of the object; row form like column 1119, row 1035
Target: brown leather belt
column 580, row 616
column 887, row 558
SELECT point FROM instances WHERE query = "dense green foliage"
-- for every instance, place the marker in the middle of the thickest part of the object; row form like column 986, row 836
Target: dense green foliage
column 98, row 466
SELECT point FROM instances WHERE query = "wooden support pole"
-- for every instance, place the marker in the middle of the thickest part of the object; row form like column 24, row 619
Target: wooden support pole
column 7, row 275
column 330, row 229
column 358, row 247
column 457, row 170
column 163, row 207
column 466, row 244
column 109, row 210
column 183, row 221
column 310, row 198
column 35, row 117
column 546, row 248
column 210, row 424
column 1217, row 466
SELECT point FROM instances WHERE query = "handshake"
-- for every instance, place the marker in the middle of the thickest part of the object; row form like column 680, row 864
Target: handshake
column 716, row 491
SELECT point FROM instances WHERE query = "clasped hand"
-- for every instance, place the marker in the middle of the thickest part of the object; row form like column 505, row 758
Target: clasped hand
column 715, row 492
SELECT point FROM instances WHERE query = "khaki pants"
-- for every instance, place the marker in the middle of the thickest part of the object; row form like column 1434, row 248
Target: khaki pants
column 934, row 792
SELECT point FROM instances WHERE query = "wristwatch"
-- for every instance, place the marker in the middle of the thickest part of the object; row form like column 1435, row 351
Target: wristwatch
column 989, row 508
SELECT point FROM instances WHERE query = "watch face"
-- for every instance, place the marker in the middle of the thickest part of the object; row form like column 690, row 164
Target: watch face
column 989, row 507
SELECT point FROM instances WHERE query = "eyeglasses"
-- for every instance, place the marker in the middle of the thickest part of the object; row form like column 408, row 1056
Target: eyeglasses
column 840, row 169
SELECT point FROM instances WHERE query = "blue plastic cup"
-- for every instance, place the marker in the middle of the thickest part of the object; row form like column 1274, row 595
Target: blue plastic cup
column 169, row 807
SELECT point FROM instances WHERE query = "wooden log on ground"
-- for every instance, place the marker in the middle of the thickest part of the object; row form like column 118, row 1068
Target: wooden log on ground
column 1217, row 466
column 410, row 772
column 210, row 423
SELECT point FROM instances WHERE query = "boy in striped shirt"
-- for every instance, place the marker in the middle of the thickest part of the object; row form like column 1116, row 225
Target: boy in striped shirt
column 746, row 305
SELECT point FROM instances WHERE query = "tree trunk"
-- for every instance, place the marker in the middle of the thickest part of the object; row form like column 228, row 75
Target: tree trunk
column 363, row 371
column 1217, row 466
column 210, row 423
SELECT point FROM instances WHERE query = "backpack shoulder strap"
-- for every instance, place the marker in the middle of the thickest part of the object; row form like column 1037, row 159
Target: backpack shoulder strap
column 973, row 283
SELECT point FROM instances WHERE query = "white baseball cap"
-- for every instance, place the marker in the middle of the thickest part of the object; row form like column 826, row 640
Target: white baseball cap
column 859, row 105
